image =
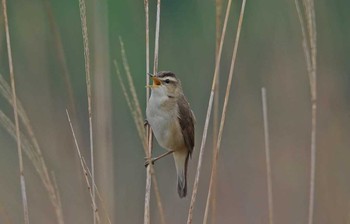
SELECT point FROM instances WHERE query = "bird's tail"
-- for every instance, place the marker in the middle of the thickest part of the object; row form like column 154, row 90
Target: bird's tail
column 181, row 161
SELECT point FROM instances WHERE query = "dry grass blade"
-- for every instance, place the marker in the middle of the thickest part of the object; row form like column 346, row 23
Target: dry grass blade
column 98, row 193
column 84, row 169
column 56, row 189
column 136, row 108
column 136, row 118
column 82, row 8
column 34, row 151
column 224, row 109
column 210, row 105
column 310, row 51
column 14, row 99
column 267, row 154
column 27, row 147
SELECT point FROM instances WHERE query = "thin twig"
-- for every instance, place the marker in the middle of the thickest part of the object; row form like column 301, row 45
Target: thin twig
column 310, row 51
column 82, row 8
column 267, row 154
column 83, row 167
column 227, row 94
column 14, row 100
column 207, row 119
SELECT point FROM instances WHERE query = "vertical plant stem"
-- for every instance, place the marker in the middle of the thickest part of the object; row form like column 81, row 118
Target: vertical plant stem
column 313, row 163
column 156, row 44
column 135, row 109
column 267, row 154
column 147, row 46
column 147, row 218
column 207, row 119
column 82, row 8
column 227, row 94
column 14, row 100
column 218, row 11
column 309, row 41
column 149, row 132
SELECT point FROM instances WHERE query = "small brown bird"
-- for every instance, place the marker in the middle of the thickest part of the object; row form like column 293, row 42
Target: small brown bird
column 172, row 121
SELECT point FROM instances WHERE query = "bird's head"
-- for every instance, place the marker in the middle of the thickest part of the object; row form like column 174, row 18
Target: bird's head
column 165, row 82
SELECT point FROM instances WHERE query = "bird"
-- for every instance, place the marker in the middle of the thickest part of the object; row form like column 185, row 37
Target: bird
column 172, row 121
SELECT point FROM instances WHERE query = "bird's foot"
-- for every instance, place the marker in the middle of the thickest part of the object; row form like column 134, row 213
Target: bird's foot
column 148, row 160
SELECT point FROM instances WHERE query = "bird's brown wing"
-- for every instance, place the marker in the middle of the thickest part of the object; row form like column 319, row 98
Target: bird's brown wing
column 187, row 120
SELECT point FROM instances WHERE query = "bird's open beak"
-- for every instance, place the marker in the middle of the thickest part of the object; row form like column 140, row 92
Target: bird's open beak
column 156, row 81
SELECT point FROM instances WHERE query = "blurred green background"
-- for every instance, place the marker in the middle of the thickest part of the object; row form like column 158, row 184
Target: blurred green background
column 48, row 57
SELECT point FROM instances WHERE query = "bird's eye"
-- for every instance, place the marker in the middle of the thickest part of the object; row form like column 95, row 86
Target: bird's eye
column 167, row 81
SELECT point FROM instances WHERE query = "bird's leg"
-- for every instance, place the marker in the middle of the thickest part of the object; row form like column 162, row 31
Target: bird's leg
column 156, row 158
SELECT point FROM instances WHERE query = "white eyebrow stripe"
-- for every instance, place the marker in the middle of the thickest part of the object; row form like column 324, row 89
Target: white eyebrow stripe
column 172, row 79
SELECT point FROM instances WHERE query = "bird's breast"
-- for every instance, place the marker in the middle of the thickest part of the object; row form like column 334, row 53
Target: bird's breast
column 165, row 124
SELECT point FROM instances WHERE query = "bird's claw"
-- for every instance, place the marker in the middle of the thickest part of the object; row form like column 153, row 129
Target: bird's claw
column 145, row 123
column 147, row 160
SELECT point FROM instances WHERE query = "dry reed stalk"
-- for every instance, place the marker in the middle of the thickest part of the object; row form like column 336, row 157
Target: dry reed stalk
column 15, row 111
column 207, row 119
column 134, row 106
column 267, row 154
column 139, row 119
column 84, row 169
column 146, row 5
column 218, row 12
column 82, row 10
column 147, row 218
column 224, row 109
column 310, row 51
